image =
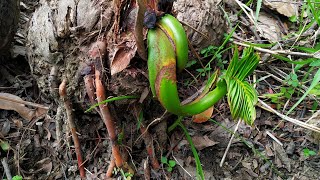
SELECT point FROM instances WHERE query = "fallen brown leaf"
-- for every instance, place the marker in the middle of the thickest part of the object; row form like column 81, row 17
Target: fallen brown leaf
column 202, row 142
column 125, row 51
column 204, row 116
column 286, row 8
column 269, row 28
column 5, row 128
column 11, row 102
column 282, row 159
column 44, row 165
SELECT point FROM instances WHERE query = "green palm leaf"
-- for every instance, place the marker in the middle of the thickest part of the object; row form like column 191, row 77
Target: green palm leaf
column 242, row 97
column 244, row 67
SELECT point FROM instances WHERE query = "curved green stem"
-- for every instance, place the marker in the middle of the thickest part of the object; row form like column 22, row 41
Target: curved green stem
column 160, row 53
column 175, row 124
column 207, row 101
column 176, row 33
column 168, row 97
column 162, row 65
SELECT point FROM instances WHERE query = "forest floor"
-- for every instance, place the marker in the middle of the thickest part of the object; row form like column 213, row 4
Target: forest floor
column 274, row 147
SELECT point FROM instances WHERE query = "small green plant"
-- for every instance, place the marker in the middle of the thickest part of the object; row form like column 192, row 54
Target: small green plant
column 208, row 51
column 232, row 82
column 191, row 63
column 17, row 177
column 211, row 51
column 276, row 98
column 292, row 80
column 169, row 163
column 287, row 91
column 204, row 71
column 126, row 175
column 293, row 18
column 307, row 153
column 4, row 145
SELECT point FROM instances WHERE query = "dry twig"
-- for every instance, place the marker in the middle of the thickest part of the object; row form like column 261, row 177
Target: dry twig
column 146, row 169
column 72, row 126
column 295, row 121
column 148, row 140
column 6, row 168
column 90, row 89
column 229, row 144
column 110, row 168
column 107, row 118
column 286, row 52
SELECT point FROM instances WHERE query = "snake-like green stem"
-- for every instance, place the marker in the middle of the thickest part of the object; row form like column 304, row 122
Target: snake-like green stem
column 175, row 31
column 162, row 64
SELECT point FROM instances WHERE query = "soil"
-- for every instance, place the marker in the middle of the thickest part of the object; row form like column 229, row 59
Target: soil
column 9, row 15
column 55, row 41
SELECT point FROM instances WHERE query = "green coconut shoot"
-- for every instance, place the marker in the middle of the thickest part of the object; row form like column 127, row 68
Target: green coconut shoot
column 163, row 49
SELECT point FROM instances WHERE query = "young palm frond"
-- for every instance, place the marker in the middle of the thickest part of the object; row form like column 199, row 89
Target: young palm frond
column 242, row 97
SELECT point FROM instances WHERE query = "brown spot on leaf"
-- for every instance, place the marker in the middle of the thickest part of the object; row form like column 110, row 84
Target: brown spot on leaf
column 166, row 72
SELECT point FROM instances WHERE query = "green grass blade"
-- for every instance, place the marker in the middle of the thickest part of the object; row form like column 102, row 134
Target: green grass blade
column 303, row 62
column 111, row 100
column 259, row 2
column 260, row 45
column 314, row 9
column 200, row 174
column 222, row 45
column 307, row 49
column 314, row 82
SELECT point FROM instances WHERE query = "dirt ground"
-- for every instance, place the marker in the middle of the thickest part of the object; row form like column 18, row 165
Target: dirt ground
column 39, row 139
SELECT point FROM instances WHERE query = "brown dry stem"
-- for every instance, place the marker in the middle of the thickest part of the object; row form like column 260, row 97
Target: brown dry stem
column 72, row 126
column 90, row 89
column 110, row 168
column 148, row 140
column 146, row 169
column 107, row 119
